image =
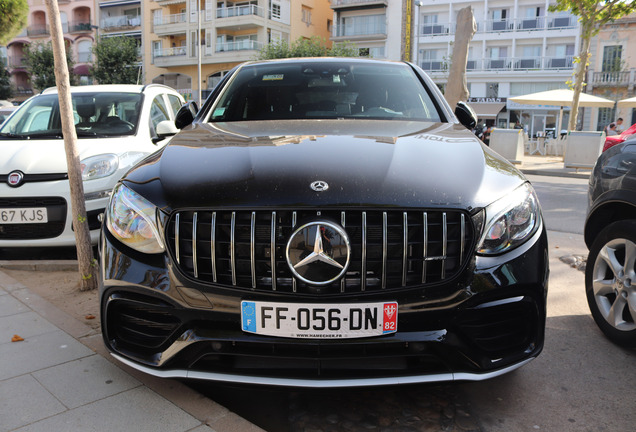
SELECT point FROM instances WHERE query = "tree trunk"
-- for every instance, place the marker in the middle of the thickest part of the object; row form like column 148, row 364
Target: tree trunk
column 456, row 88
column 87, row 264
column 579, row 76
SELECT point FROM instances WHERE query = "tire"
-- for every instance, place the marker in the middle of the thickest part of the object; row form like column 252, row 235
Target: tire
column 610, row 282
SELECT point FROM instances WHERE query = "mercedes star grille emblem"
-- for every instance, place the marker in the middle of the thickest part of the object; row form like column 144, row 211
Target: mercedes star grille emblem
column 318, row 253
column 15, row 178
column 319, row 186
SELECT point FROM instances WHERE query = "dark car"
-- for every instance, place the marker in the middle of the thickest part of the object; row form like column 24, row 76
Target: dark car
column 610, row 235
column 323, row 223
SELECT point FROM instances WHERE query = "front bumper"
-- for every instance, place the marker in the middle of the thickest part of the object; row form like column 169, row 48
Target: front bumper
column 56, row 197
column 487, row 321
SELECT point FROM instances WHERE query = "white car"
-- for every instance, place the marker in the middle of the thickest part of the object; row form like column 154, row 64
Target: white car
column 117, row 126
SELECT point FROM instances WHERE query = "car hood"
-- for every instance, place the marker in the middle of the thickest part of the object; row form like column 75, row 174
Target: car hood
column 49, row 156
column 365, row 163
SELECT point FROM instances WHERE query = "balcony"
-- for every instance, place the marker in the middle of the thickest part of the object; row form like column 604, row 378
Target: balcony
column 508, row 64
column 613, row 79
column 505, row 25
column 245, row 45
column 344, row 4
column 80, row 27
column 360, row 31
column 171, row 25
column 16, row 62
column 119, row 23
column 435, row 29
column 35, row 31
column 240, row 17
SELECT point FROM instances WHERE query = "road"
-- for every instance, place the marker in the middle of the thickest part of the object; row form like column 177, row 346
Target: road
column 564, row 202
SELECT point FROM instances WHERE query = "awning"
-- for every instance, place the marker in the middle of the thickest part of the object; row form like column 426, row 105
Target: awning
column 81, row 70
column 487, row 109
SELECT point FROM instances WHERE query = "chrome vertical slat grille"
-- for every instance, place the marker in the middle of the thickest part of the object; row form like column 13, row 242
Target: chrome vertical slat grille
column 389, row 249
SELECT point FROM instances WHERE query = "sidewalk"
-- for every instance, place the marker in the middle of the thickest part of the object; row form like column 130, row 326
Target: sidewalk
column 60, row 377
column 550, row 166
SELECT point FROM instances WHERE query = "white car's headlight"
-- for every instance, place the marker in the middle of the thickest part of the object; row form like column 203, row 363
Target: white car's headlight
column 99, row 166
column 133, row 220
column 510, row 221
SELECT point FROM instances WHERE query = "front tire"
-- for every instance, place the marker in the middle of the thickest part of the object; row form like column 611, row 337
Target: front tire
column 610, row 282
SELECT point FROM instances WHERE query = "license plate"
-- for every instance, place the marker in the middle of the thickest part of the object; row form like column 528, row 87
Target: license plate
column 23, row 215
column 319, row 321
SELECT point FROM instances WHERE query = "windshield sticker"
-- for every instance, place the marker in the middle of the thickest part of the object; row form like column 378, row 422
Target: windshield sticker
column 218, row 112
column 276, row 77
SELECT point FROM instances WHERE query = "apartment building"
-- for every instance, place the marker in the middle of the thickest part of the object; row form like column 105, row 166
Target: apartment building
column 227, row 32
column 519, row 48
column 612, row 72
column 120, row 18
column 78, row 26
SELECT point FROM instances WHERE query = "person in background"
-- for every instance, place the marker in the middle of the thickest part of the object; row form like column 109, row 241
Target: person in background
column 619, row 122
column 611, row 129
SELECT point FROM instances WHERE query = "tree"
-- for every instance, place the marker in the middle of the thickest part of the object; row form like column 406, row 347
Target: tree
column 314, row 47
column 13, row 18
column 116, row 61
column 40, row 64
column 593, row 14
column 6, row 90
column 86, row 262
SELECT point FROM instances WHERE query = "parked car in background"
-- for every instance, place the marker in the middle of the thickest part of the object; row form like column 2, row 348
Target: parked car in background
column 324, row 223
column 116, row 125
column 612, row 140
column 610, row 235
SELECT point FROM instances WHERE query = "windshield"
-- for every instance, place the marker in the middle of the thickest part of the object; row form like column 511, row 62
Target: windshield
column 318, row 90
column 94, row 115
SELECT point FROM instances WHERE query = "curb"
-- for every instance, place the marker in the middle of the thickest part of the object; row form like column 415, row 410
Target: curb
column 44, row 265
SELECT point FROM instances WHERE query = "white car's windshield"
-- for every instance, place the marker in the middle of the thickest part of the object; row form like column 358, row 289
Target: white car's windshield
column 319, row 90
column 95, row 115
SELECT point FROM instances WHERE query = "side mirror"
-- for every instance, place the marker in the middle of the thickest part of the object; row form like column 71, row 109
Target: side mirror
column 186, row 115
column 165, row 129
column 465, row 115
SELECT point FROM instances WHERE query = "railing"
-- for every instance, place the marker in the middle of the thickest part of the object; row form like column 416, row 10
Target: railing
column 611, row 78
column 358, row 29
column 505, row 25
column 238, row 46
column 235, row 11
column 505, row 64
column 341, row 3
column 38, row 30
column 171, row 52
column 16, row 61
column 171, row 19
column 122, row 21
column 80, row 26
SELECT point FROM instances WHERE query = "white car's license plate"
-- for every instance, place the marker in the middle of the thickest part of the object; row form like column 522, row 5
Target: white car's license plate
column 319, row 321
column 23, row 215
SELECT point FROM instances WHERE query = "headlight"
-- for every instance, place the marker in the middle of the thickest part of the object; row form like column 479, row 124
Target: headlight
column 510, row 221
column 99, row 166
column 133, row 220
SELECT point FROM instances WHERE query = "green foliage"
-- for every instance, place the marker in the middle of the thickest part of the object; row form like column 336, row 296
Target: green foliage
column 314, row 47
column 40, row 65
column 115, row 61
column 595, row 13
column 13, row 18
column 6, row 90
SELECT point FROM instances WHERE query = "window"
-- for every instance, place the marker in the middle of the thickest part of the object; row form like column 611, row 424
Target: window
column 612, row 58
column 274, row 10
column 158, row 113
column 156, row 49
column 605, row 117
column 175, row 103
column 306, row 16
column 84, row 51
column 157, row 17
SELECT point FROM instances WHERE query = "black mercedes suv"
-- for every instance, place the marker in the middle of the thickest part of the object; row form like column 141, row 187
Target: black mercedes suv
column 323, row 223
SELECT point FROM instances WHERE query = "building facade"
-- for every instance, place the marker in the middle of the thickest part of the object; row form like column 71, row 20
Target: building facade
column 519, row 48
column 612, row 72
column 79, row 28
column 227, row 33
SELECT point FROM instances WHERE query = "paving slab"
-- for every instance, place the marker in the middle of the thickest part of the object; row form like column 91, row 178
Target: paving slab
column 23, row 401
column 94, row 378
column 39, row 352
column 138, row 410
column 25, row 324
